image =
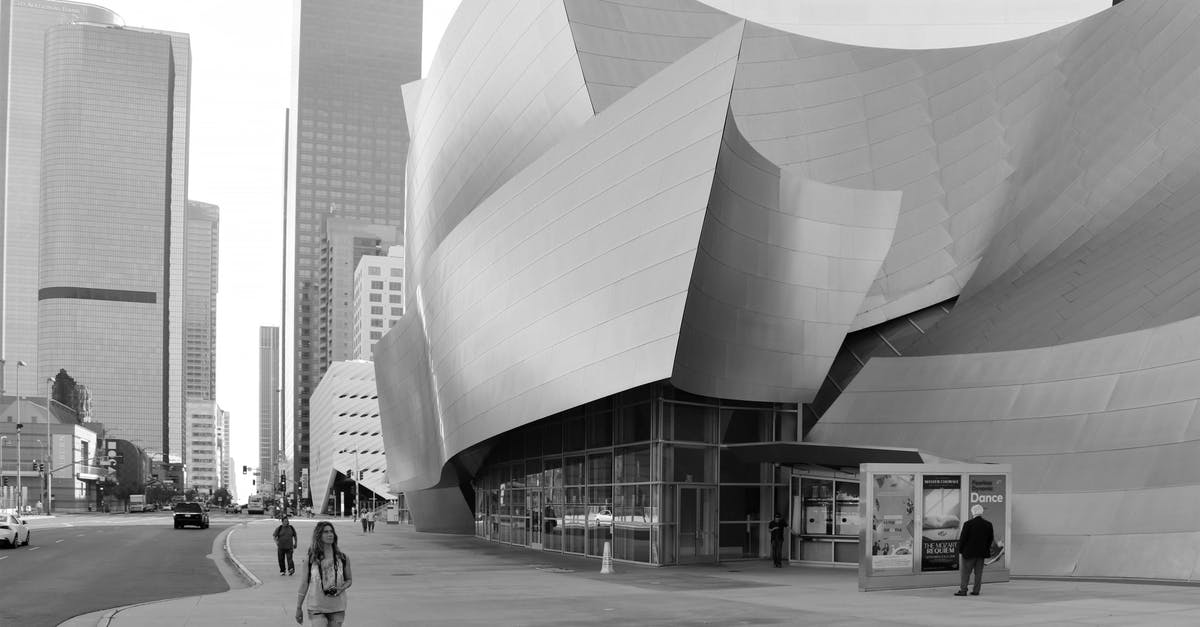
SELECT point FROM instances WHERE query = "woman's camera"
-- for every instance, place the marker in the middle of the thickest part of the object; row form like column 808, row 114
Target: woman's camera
column 329, row 592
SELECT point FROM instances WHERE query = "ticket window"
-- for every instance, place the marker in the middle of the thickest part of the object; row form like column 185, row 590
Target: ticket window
column 826, row 520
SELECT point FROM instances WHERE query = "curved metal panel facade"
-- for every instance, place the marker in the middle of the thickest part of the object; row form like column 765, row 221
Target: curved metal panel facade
column 738, row 205
column 783, row 266
column 568, row 282
column 1102, row 437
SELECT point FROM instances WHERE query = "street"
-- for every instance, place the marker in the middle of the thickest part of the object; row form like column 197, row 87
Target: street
column 79, row 564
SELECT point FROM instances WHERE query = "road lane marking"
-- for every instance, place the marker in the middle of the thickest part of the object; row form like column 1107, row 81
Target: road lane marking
column 57, row 541
column 3, row 557
column 34, row 548
column 80, row 535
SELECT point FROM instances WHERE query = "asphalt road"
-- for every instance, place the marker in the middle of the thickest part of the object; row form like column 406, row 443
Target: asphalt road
column 72, row 570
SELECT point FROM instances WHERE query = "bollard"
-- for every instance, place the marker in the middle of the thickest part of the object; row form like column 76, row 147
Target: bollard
column 606, row 567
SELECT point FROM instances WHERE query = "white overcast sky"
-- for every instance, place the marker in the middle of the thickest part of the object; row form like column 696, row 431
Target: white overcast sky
column 241, row 75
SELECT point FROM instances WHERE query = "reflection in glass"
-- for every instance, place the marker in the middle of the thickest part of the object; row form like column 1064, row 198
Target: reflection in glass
column 600, row 468
column 745, row 425
column 633, row 465
column 689, row 464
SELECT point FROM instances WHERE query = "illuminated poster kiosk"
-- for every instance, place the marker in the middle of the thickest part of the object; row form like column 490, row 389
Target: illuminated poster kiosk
column 913, row 513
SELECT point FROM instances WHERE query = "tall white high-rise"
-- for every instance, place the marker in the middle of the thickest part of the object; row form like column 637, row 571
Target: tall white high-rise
column 378, row 298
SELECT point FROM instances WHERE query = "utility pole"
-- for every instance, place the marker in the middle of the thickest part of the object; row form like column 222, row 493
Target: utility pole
column 49, row 458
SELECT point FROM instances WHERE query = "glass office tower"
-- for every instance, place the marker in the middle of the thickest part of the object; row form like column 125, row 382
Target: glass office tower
column 23, row 28
column 350, row 142
column 113, row 218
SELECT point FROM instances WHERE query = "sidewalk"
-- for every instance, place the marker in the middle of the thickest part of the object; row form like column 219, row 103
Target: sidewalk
column 402, row 577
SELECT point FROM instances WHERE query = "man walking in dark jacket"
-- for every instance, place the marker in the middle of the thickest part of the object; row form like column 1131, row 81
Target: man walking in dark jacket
column 285, row 543
column 777, row 527
column 974, row 544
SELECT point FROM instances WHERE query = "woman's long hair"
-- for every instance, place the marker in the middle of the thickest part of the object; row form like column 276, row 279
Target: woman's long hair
column 316, row 550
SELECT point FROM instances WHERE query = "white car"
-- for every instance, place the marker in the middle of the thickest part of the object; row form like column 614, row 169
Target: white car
column 13, row 531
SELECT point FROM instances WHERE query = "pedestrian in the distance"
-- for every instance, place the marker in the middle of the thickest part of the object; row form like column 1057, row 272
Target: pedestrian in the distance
column 285, row 542
column 371, row 521
column 974, row 545
column 322, row 592
column 362, row 517
column 777, row 527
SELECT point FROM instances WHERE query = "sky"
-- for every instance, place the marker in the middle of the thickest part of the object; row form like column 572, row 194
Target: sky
column 241, row 78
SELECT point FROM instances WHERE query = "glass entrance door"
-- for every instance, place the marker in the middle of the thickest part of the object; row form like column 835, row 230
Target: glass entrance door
column 697, row 518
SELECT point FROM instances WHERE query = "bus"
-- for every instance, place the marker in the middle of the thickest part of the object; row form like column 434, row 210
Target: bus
column 137, row 503
column 256, row 504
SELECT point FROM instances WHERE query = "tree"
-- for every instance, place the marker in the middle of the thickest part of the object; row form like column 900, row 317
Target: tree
column 222, row 497
column 63, row 390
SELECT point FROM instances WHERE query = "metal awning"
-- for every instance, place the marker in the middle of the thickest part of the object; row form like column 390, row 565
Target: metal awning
column 835, row 455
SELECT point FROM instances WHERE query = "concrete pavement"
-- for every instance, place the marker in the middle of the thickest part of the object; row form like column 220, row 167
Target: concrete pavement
column 402, row 577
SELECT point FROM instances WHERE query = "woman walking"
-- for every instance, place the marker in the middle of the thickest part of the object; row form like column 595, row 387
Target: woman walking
column 323, row 589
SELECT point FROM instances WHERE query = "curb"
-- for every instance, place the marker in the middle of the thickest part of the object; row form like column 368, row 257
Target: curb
column 241, row 568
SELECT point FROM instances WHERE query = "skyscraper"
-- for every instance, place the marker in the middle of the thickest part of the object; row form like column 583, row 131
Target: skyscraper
column 224, row 452
column 200, row 306
column 112, row 224
column 350, row 142
column 22, row 46
column 202, row 450
column 268, row 405
column 378, row 298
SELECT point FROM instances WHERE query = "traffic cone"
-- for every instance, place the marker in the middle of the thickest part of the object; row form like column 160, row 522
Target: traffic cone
column 606, row 567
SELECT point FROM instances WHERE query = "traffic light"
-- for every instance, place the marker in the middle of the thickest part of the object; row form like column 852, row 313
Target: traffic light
column 360, row 474
column 34, row 465
column 349, row 473
column 243, row 470
column 6, row 482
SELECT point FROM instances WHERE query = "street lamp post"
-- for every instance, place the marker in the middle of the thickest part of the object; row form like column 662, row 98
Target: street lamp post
column 19, row 504
column 49, row 457
column 356, row 486
column 17, row 387
column 3, row 442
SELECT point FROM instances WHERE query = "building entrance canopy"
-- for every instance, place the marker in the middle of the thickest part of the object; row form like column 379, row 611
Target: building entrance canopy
column 835, row 456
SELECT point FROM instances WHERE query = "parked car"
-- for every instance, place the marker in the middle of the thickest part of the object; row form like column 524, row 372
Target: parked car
column 190, row 513
column 13, row 531
column 232, row 508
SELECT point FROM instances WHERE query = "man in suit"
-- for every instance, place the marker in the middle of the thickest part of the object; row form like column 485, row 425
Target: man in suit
column 974, row 544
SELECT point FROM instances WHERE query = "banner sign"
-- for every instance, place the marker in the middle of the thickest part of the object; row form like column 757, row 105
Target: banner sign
column 892, row 522
column 940, row 521
column 988, row 491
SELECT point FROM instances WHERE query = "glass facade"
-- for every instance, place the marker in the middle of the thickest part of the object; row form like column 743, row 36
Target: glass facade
column 644, row 470
column 23, row 28
column 113, row 224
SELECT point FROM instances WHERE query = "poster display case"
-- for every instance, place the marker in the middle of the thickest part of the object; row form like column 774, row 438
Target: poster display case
column 911, row 516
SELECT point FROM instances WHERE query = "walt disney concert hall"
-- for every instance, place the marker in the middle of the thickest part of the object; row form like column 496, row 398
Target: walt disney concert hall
column 673, row 268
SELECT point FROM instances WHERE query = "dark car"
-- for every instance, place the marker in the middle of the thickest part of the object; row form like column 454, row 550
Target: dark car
column 190, row 514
